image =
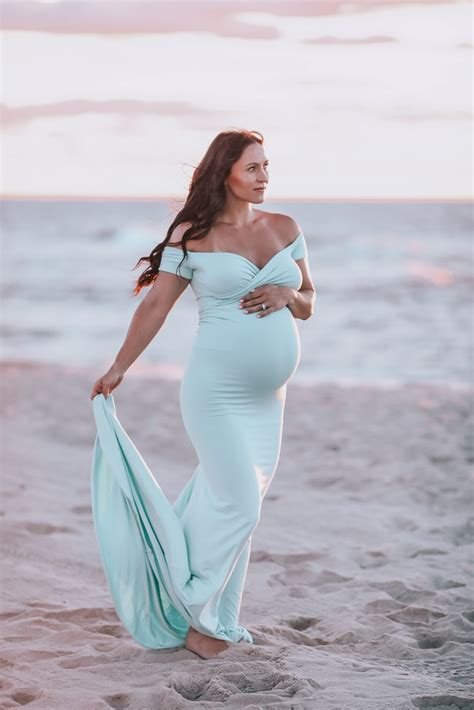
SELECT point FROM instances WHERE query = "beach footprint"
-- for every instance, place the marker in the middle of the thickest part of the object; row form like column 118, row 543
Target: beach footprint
column 118, row 701
column 297, row 630
column 444, row 702
column 46, row 528
column 101, row 659
column 81, row 509
column 303, row 575
column 416, row 615
column 255, row 680
column 400, row 592
column 284, row 559
column 371, row 558
column 25, row 696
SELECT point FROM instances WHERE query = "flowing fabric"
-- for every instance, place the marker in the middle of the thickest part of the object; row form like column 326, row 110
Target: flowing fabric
column 172, row 566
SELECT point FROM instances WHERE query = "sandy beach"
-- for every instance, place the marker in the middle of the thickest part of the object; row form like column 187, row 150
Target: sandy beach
column 359, row 591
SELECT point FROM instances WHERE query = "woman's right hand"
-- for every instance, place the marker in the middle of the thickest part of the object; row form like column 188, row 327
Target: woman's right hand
column 108, row 382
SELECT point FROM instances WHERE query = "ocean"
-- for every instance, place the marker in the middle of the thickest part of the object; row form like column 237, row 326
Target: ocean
column 393, row 282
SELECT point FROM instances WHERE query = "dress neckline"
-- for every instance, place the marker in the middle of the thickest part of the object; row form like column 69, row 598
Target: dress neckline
column 241, row 256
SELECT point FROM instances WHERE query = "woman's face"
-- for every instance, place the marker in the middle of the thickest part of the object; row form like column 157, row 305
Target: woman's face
column 249, row 174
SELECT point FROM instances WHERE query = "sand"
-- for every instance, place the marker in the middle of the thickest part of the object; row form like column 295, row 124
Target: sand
column 359, row 592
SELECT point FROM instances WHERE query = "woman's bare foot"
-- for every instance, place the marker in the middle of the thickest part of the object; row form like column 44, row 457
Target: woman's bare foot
column 204, row 646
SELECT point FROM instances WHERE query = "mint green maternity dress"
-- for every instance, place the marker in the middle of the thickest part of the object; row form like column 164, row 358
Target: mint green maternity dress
column 170, row 566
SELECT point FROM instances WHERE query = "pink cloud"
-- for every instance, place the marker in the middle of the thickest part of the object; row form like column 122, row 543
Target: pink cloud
column 129, row 108
column 417, row 115
column 129, row 17
column 12, row 116
column 137, row 16
column 376, row 39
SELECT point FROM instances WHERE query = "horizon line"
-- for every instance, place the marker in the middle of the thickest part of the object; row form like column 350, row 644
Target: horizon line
column 158, row 198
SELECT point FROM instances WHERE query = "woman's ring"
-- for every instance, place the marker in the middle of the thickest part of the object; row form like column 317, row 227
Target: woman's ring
column 263, row 306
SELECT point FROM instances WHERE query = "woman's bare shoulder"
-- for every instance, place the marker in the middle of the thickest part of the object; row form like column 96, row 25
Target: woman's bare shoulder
column 198, row 244
column 286, row 225
column 177, row 234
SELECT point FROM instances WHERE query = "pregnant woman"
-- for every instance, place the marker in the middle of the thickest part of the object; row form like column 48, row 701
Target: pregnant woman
column 176, row 572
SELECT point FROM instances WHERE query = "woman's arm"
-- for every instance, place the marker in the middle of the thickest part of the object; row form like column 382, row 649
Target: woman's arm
column 149, row 317
column 146, row 322
column 301, row 303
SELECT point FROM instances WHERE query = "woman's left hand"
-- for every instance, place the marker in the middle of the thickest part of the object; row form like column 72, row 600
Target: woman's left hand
column 274, row 297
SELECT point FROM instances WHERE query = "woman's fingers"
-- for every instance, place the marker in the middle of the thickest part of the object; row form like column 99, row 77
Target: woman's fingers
column 98, row 388
column 265, row 312
column 105, row 386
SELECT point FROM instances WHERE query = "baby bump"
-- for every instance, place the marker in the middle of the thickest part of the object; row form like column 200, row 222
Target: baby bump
column 256, row 353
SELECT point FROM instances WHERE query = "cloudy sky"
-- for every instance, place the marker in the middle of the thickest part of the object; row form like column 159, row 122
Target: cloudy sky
column 369, row 98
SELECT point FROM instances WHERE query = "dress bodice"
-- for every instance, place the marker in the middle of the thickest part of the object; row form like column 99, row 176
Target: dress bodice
column 221, row 277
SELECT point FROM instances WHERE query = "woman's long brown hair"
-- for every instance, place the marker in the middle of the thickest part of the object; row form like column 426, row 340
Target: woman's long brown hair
column 206, row 197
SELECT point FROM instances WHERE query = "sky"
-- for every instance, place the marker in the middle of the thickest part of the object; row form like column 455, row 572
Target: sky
column 361, row 99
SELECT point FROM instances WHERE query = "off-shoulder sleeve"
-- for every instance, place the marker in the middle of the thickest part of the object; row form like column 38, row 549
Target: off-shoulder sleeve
column 300, row 250
column 170, row 259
